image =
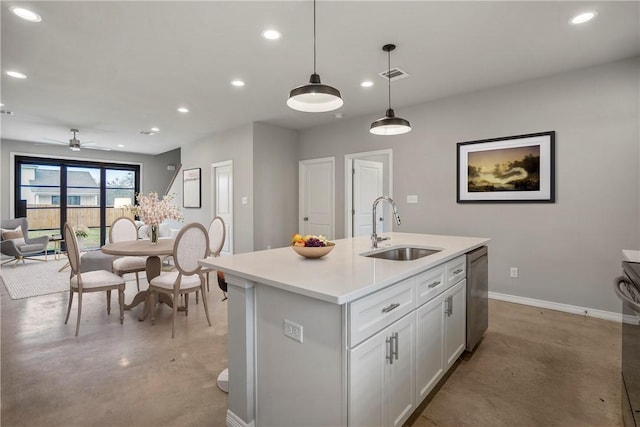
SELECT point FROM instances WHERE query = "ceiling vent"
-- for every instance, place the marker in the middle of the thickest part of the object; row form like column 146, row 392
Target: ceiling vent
column 8, row 113
column 395, row 73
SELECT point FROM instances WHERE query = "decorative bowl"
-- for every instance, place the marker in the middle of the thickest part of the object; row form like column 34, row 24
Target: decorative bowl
column 314, row 252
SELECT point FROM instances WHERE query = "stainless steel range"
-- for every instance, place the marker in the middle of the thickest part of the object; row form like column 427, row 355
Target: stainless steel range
column 627, row 287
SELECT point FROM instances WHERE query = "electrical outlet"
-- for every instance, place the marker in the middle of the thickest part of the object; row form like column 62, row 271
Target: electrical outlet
column 514, row 272
column 412, row 198
column 293, row 330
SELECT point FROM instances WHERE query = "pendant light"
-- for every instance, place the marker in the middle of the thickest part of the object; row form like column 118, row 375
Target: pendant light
column 389, row 124
column 314, row 97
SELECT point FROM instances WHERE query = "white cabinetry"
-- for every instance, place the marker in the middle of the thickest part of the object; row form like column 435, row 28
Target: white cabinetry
column 381, row 380
column 393, row 361
column 454, row 323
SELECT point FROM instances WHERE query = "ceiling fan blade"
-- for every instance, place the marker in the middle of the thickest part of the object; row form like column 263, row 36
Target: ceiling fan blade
column 54, row 141
column 95, row 147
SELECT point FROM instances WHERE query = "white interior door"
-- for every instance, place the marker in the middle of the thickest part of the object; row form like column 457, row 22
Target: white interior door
column 367, row 186
column 317, row 197
column 222, row 174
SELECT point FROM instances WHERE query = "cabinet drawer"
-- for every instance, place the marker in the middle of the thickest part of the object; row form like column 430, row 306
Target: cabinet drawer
column 374, row 312
column 430, row 283
column 456, row 270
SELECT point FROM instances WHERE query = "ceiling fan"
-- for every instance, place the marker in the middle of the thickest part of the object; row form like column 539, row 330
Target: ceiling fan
column 74, row 143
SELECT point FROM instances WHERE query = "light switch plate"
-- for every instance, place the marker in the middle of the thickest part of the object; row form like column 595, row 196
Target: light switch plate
column 245, row 200
column 412, row 198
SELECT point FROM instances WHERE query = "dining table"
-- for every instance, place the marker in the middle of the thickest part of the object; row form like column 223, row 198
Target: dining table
column 153, row 267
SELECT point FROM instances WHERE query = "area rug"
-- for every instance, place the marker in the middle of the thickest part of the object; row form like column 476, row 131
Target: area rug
column 34, row 278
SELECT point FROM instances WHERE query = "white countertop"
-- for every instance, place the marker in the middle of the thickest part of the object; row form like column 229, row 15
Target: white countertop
column 631, row 256
column 343, row 275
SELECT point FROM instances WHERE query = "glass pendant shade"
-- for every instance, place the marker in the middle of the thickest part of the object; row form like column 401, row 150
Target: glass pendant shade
column 314, row 97
column 390, row 125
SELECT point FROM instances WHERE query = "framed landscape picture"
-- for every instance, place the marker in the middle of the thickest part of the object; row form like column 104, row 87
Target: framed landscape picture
column 191, row 188
column 510, row 169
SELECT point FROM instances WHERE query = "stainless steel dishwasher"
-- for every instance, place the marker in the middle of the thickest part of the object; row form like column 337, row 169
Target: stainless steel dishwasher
column 477, row 296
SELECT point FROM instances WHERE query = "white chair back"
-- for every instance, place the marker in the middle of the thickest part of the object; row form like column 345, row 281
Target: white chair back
column 123, row 229
column 217, row 231
column 72, row 249
column 192, row 244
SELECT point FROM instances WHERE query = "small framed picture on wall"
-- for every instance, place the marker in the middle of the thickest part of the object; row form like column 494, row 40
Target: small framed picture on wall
column 191, row 188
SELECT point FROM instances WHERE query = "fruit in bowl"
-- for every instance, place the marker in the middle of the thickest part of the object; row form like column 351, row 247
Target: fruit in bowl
column 310, row 246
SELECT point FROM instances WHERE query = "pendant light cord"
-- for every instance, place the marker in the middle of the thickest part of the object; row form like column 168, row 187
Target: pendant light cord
column 314, row 36
column 388, row 74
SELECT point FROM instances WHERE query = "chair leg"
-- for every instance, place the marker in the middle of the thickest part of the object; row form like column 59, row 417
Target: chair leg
column 108, row 302
column 175, row 312
column 79, row 312
column 69, row 307
column 205, row 304
column 186, row 304
column 208, row 289
column 152, row 305
column 197, row 292
column 138, row 281
column 121, row 303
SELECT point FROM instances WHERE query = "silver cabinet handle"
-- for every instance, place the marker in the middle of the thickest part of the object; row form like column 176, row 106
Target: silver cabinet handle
column 458, row 271
column 434, row 284
column 449, row 308
column 394, row 339
column 389, row 356
column 391, row 307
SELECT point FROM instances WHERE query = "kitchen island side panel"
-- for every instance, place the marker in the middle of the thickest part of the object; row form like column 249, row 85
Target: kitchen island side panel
column 299, row 383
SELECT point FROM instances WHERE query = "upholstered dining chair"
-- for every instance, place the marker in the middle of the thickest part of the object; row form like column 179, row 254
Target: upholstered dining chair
column 92, row 281
column 124, row 229
column 192, row 244
column 217, row 234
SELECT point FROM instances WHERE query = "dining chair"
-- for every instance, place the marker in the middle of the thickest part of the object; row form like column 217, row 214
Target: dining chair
column 92, row 281
column 124, row 229
column 217, row 234
column 192, row 244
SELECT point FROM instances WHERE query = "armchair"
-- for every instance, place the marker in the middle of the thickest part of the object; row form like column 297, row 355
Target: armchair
column 16, row 242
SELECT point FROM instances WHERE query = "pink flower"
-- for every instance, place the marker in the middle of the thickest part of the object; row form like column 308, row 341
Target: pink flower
column 153, row 210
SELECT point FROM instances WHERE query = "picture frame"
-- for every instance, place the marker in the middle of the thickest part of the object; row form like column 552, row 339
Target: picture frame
column 191, row 188
column 510, row 169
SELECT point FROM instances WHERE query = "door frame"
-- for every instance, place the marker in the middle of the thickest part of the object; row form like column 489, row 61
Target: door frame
column 302, row 190
column 214, row 189
column 348, row 182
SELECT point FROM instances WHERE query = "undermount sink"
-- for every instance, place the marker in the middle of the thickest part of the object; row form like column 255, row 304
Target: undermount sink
column 407, row 253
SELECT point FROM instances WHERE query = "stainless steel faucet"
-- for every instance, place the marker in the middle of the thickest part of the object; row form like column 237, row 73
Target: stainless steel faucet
column 374, row 237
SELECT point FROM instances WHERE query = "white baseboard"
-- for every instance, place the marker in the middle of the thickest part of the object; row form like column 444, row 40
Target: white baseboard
column 573, row 309
column 235, row 421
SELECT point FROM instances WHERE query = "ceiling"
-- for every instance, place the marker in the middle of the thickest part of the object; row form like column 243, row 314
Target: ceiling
column 112, row 69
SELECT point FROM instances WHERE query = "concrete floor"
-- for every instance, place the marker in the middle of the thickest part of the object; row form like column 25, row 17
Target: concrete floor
column 534, row 368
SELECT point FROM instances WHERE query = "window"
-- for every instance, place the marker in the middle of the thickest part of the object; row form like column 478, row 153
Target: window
column 50, row 192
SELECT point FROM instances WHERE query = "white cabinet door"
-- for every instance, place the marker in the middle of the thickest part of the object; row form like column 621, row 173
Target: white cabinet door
column 429, row 346
column 401, row 379
column 367, row 382
column 381, row 377
column 455, row 318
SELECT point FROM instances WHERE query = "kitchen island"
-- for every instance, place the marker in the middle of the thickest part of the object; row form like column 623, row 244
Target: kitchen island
column 343, row 340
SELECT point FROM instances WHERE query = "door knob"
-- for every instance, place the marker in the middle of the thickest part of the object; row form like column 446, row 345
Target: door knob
column 306, row 218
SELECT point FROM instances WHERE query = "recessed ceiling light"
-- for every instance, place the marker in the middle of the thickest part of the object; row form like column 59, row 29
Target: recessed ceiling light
column 120, row 145
column 237, row 83
column 271, row 34
column 1, row 104
column 16, row 75
column 183, row 110
column 366, row 83
column 25, row 14
column 583, row 17
column 155, row 129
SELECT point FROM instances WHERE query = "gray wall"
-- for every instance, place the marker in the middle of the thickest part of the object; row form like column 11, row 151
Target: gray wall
column 265, row 171
column 275, row 175
column 568, row 251
column 155, row 176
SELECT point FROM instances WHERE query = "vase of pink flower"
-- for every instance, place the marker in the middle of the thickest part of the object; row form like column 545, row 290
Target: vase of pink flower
column 153, row 210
